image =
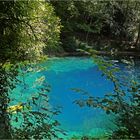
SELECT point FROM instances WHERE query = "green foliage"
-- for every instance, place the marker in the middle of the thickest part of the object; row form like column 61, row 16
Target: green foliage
column 52, row 31
column 18, row 37
column 27, row 27
column 109, row 22
column 6, row 84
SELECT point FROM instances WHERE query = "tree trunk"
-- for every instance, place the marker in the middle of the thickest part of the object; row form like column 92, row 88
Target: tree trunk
column 4, row 116
column 138, row 37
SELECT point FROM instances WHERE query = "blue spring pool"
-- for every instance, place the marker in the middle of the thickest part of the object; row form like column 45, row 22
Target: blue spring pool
column 64, row 74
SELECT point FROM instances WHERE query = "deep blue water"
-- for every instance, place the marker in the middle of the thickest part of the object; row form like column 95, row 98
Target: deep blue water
column 67, row 73
column 63, row 74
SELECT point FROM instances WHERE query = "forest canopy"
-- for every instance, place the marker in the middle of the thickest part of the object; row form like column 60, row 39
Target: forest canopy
column 101, row 24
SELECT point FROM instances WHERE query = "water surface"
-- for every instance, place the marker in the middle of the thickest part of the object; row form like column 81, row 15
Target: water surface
column 64, row 74
column 82, row 73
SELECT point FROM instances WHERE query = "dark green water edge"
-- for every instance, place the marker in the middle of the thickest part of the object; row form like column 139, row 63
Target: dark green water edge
column 104, row 53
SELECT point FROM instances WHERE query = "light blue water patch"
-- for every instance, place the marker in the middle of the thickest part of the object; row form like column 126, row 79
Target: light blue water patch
column 26, row 88
column 69, row 64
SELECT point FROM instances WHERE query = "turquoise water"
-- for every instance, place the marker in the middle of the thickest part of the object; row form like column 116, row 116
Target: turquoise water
column 67, row 73
column 63, row 74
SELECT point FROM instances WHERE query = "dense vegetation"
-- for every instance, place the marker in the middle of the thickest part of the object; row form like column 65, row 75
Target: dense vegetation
column 27, row 31
column 30, row 30
column 104, row 25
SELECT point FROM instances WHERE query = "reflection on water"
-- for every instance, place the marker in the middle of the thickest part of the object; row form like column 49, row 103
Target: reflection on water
column 76, row 72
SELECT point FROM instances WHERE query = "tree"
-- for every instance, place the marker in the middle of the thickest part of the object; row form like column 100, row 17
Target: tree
column 52, row 31
column 100, row 24
column 22, row 39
